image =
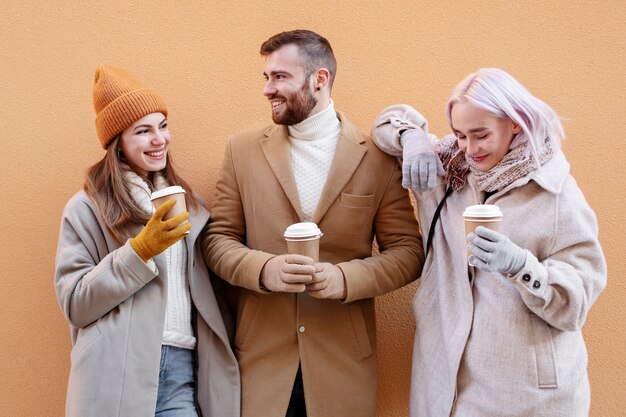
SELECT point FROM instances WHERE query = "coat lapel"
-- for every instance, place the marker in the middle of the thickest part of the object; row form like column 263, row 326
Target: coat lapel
column 276, row 149
column 347, row 158
column 198, row 219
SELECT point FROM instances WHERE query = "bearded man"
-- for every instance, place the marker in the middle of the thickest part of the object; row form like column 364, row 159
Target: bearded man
column 305, row 332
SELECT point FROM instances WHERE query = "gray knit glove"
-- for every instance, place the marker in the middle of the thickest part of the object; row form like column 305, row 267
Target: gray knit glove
column 420, row 162
column 492, row 251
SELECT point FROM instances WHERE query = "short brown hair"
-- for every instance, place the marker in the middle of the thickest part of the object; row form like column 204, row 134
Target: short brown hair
column 314, row 48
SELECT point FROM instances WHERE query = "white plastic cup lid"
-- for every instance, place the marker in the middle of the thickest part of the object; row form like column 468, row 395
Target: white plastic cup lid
column 482, row 210
column 174, row 189
column 303, row 230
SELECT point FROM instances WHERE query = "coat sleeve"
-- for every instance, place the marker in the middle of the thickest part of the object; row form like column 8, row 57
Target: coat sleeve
column 392, row 122
column 223, row 245
column 562, row 287
column 401, row 256
column 90, row 281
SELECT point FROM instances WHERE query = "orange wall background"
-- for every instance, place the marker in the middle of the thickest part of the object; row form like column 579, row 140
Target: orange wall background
column 203, row 58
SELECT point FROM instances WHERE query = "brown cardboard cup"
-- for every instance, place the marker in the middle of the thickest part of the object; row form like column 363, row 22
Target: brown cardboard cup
column 486, row 215
column 304, row 239
column 174, row 192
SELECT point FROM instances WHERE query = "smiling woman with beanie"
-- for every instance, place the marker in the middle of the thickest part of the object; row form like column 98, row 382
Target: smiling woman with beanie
column 146, row 322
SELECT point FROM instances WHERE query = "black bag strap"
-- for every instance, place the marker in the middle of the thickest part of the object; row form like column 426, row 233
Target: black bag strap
column 429, row 242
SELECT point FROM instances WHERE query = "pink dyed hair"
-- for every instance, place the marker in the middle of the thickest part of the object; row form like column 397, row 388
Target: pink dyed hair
column 497, row 92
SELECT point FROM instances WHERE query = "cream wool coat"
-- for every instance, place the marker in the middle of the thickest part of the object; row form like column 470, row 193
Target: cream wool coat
column 115, row 305
column 335, row 342
column 492, row 345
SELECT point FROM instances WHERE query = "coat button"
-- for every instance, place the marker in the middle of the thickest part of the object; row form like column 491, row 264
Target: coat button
column 536, row 285
column 526, row 278
column 301, row 329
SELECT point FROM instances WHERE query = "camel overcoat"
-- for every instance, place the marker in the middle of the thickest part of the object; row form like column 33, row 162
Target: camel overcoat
column 115, row 305
column 334, row 341
column 492, row 345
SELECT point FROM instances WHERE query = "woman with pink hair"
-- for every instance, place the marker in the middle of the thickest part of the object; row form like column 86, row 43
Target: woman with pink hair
column 498, row 334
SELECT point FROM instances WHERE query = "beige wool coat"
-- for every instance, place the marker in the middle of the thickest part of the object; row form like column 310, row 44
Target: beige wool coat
column 492, row 345
column 335, row 341
column 115, row 306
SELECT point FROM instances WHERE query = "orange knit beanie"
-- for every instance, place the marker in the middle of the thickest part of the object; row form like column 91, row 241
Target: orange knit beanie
column 119, row 100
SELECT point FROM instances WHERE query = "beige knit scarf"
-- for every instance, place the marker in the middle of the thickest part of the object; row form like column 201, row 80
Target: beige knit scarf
column 140, row 190
column 516, row 164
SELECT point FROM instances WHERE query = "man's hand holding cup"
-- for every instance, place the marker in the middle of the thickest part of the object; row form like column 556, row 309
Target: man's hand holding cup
column 329, row 282
column 287, row 273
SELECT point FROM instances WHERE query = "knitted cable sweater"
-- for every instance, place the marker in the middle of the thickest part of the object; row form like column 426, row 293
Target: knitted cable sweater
column 313, row 144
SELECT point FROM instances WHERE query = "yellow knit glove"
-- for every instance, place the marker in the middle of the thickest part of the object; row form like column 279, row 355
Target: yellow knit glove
column 160, row 234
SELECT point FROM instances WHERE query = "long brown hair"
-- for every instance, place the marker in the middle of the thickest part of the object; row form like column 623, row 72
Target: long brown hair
column 106, row 186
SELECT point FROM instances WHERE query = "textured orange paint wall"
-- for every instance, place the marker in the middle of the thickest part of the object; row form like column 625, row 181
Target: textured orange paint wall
column 203, row 57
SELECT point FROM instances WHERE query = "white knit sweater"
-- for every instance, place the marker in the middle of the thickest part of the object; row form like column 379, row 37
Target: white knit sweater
column 313, row 144
column 177, row 329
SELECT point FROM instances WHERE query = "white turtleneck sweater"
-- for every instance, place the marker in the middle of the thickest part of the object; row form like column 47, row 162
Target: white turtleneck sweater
column 177, row 329
column 313, row 144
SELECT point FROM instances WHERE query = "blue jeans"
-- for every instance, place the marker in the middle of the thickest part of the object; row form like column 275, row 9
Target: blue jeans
column 177, row 383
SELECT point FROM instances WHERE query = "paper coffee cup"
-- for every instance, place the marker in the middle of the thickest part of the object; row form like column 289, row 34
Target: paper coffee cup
column 486, row 215
column 177, row 193
column 304, row 239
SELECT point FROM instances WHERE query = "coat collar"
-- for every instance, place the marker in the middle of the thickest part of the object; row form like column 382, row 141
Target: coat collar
column 551, row 176
column 553, row 173
column 198, row 219
column 348, row 156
